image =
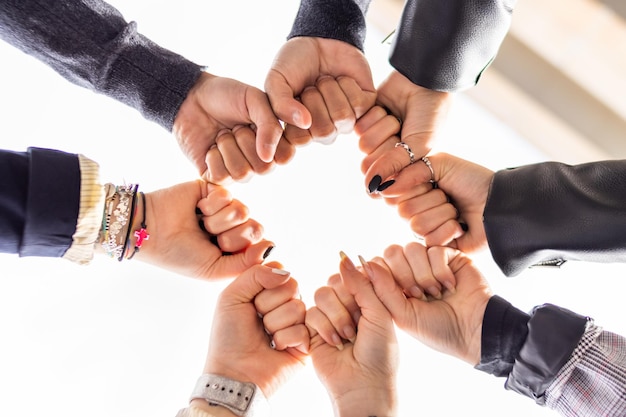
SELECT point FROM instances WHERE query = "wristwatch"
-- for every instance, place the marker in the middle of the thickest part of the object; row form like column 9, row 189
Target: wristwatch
column 244, row 399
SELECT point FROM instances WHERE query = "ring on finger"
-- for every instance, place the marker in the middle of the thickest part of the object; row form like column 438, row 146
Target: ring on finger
column 408, row 150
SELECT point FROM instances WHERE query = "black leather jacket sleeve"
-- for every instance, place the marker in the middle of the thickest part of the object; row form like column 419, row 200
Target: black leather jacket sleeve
column 548, row 213
column 447, row 44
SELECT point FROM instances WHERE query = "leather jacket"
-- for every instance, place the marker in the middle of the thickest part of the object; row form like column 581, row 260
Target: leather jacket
column 549, row 213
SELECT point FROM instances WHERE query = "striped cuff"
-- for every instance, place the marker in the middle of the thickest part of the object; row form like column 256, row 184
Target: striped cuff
column 90, row 213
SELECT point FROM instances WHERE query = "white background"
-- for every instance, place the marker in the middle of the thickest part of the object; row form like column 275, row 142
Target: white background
column 129, row 340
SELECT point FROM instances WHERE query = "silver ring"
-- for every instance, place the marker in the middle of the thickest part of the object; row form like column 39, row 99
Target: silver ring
column 432, row 172
column 408, row 150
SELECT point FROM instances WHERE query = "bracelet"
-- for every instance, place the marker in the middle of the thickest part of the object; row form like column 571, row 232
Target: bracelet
column 131, row 218
column 142, row 234
column 118, row 207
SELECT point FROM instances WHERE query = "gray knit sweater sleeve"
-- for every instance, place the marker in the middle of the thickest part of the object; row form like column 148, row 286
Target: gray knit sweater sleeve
column 343, row 20
column 89, row 43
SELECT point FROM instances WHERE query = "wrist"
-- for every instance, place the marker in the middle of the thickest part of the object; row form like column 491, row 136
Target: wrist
column 367, row 402
column 212, row 410
column 138, row 234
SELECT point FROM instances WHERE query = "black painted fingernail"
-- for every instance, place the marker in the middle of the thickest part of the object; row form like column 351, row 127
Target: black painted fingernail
column 435, row 185
column 201, row 224
column 464, row 226
column 268, row 251
column 374, row 183
column 198, row 211
column 382, row 187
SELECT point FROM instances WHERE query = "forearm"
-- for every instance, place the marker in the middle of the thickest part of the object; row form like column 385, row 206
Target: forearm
column 550, row 212
column 445, row 45
column 90, row 44
column 342, row 20
column 367, row 403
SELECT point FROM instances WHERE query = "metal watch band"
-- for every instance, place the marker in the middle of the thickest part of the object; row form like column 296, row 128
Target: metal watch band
column 242, row 398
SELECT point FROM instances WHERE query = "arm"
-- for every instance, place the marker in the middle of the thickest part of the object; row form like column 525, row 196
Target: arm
column 322, row 31
column 52, row 204
column 446, row 45
column 552, row 355
column 245, row 348
column 551, row 212
column 360, row 375
column 556, row 357
column 90, row 44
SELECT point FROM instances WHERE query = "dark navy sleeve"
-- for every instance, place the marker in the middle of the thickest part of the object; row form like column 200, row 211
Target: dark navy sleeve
column 39, row 201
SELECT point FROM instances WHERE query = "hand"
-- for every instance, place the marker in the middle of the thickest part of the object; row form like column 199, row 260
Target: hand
column 208, row 130
column 343, row 91
column 240, row 346
column 451, row 325
column 422, row 112
column 178, row 243
column 451, row 215
column 360, row 376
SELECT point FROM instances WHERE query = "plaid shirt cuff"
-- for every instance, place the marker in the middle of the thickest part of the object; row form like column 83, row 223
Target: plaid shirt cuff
column 593, row 381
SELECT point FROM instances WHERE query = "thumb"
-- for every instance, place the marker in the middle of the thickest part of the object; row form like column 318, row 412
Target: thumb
column 388, row 291
column 251, row 282
column 360, row 287
column 285, row 106
column 268, row 129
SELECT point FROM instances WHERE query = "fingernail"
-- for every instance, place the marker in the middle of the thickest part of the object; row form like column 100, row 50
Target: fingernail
column 348, row 261
column 449, row 286
column 337, row 341
column 267, row 252
column 434, row 291
column 464, row 226
column 374, row 183
column 198, row 211
column 349, row 333
column 417, row 293
column 382, row 187
column 280, row 271
column 367, row 268
column 297, row 119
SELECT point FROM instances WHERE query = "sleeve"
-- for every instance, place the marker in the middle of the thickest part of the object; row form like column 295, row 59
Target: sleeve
column 90, row 44
column 42, row 209
column 343, row 20
column 593, row 381
column 446, row 45
column 556, row 357
column 548, row 213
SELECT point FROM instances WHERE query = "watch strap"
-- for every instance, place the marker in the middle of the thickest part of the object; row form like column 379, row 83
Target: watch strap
column 242, row 398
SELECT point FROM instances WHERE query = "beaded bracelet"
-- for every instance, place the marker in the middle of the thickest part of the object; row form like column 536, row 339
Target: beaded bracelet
column 117, row 219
